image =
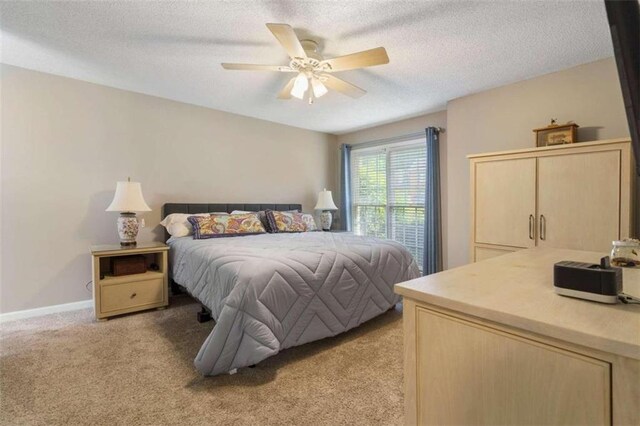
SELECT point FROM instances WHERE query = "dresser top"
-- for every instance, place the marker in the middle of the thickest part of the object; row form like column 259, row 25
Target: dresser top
column 517, row 290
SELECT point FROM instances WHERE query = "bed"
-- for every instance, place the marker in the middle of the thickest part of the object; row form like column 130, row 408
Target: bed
column 270, row 292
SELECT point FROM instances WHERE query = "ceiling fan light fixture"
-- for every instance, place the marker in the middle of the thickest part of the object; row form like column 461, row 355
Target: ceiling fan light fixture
column 300, row 86
column 319, row 89
column 311, row 65
column 297, row 93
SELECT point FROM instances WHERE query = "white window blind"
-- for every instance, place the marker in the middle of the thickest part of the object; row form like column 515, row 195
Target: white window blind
column 407, row 173
column 369, row 193
column 388, row 185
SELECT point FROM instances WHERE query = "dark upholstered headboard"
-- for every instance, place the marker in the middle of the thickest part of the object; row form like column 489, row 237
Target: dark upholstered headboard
column 193, row 208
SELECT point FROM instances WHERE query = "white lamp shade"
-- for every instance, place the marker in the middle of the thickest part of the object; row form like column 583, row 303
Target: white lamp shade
column 128, row 198
column 300, row 86
column 319, row 89
column 325, row 201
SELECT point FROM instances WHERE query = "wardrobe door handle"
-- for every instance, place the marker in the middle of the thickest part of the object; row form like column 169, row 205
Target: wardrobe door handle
column 543, row 227
column 531, row 226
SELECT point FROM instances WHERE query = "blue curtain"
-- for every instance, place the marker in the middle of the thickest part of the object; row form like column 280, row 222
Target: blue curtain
column 432, row 261
column 345, row 187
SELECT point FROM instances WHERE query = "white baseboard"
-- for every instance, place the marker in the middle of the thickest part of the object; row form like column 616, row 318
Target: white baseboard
column 45, row 310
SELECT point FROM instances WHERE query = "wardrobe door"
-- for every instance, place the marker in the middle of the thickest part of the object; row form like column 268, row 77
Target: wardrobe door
column 505, row 202
column 579, row 200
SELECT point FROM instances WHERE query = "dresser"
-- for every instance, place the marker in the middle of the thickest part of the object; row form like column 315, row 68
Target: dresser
column 578, row 196
column 490, row 343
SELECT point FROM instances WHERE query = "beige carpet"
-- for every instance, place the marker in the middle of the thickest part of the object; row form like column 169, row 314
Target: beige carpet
column 138, row 370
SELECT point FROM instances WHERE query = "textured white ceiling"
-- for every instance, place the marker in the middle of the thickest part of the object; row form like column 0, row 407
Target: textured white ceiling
column 438, row 50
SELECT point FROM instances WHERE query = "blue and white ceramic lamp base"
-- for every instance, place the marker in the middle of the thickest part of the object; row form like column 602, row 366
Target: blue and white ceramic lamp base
column 128, row 227
column 325, row 220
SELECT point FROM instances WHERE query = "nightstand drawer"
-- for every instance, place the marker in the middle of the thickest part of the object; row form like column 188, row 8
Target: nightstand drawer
column 117, row 297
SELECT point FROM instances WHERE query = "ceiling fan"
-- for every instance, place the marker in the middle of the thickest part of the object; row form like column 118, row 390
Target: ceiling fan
column 312, row 69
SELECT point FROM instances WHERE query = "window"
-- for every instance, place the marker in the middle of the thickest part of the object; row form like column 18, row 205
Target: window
column 369, row 192
column 387, row 187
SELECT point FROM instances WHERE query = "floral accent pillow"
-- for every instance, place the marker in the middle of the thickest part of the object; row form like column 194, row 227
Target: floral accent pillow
column 310, row 221
column 228, row 225
column 290, row 221
column 262, row 214
column 178, row 225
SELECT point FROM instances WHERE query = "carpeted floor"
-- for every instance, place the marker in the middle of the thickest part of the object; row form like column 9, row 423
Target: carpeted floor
column 138, row 370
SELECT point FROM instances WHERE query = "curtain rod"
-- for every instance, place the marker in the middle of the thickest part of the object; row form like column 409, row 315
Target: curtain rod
column 393, row 139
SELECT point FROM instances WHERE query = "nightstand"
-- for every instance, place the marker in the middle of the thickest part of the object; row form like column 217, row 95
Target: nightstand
column 116, row 295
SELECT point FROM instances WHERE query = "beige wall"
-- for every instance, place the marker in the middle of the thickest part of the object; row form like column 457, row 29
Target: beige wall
column 502, row 119
column 397, row 128
column 65, row 143
column 405, row 127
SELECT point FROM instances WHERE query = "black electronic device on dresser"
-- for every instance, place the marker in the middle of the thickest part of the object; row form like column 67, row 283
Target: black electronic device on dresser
column 597, row 282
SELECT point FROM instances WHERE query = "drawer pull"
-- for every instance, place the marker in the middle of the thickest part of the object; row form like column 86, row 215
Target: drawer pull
column 134, row 295
column 531, row 227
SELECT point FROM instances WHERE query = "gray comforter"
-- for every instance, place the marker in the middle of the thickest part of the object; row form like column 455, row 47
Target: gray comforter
column 270, row 292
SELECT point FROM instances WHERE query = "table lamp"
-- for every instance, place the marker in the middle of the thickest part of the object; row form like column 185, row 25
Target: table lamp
column 326, row 204
column 128, row 200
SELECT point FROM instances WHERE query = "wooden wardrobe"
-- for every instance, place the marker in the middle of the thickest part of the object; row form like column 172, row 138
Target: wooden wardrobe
column 578, row 196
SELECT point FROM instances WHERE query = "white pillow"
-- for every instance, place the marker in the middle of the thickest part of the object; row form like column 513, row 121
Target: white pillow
column 178, row 226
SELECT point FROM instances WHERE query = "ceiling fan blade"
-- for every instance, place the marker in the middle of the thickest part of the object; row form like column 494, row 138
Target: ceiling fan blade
column 288, row 39
column 342, row 86
column 367, row 58
column 285, row 93
column 256, row 67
